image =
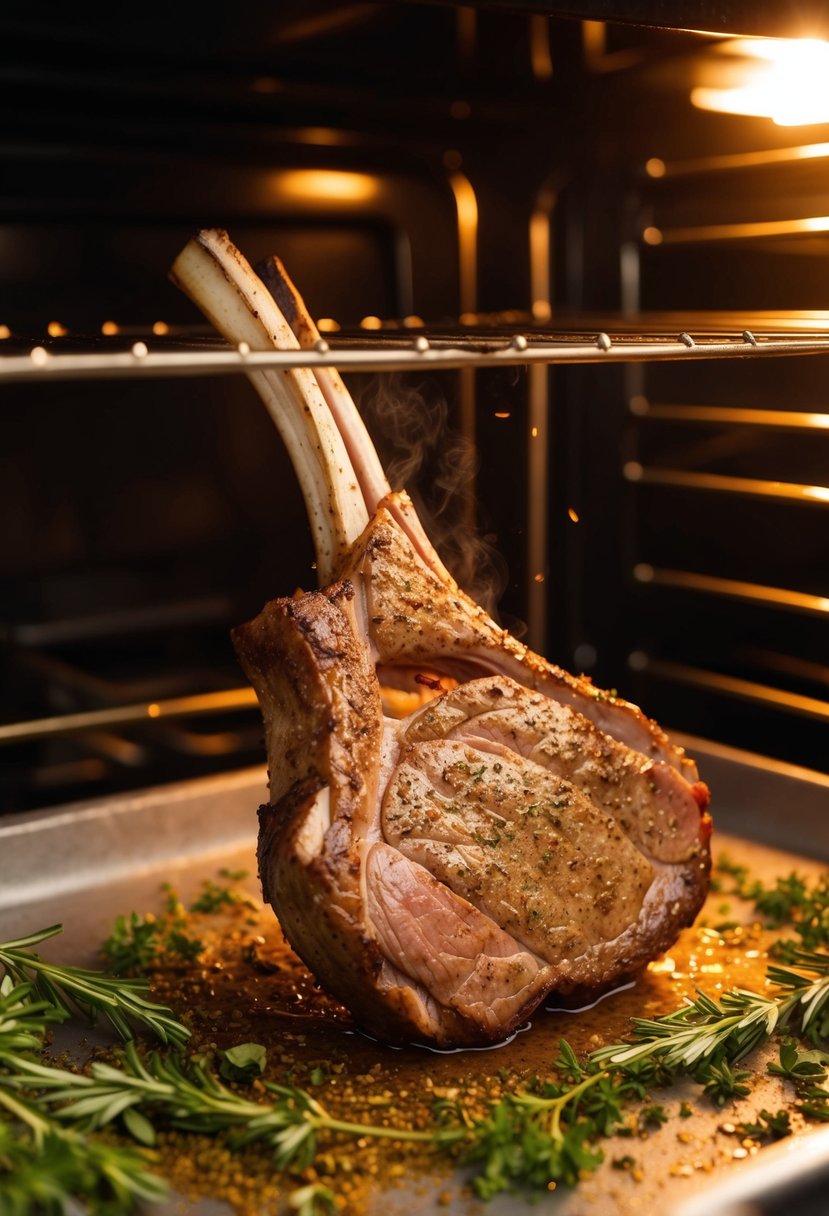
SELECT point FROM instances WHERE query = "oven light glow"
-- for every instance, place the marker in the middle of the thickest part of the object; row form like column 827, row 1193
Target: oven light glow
column 786, row 80
column 56, row 330
column 325, row 185
column 5, row 332
column 109, row 328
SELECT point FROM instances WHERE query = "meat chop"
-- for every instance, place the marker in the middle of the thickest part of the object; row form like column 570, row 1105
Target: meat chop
column 522, row 832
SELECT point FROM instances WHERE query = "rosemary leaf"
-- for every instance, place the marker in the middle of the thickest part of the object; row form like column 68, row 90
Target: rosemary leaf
column 121, row 1002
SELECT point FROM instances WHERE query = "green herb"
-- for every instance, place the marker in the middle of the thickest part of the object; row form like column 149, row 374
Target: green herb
column 722, row 1082
column 243, row 1063
column 23, row 1019
column 788, row 901
column 188, row 1095
column 213, row 898
column 92, row 993
column 799, row 1064
column 233, row 875
column 653, row 1116
column 313, row 1200
column 732, row 1027
column 43, row 1168
column 624, row 1163
column 133, row 946
column 768, row 1126
column 813, row 1103
column 549, row 1133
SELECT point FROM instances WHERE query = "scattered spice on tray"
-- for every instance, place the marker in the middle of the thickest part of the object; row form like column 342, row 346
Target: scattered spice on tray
column 271, row 1058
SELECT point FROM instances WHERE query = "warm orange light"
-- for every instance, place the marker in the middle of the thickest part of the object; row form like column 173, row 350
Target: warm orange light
column 109, row 328
column 327, row 325
column 502, row 414
column 5, row 332
column 160, row 328
column 325, row 184
column 573, row 513
column 371, row 323
column 785, row 79
column 56, row 330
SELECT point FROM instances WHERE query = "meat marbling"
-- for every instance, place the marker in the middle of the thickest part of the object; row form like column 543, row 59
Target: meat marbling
column 518, row 834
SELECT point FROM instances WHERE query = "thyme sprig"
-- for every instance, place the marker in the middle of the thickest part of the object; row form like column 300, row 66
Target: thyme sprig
column 122, row 1002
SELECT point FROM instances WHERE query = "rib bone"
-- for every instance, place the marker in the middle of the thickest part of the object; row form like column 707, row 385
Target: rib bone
column 443, row 873
column 369, row 472
column 340, row 474
column 212, row 272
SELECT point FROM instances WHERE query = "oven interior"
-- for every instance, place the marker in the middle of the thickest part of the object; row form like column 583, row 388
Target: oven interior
column 646, row 505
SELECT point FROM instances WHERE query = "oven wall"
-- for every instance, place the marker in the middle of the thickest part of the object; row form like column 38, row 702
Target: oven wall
column 405, row 160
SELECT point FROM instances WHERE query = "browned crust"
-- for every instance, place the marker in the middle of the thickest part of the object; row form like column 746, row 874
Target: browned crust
column 320, row 702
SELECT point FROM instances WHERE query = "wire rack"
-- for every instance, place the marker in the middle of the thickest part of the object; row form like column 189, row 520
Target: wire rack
column 181, row 352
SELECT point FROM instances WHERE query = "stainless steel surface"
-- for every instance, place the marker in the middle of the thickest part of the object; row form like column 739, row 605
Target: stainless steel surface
column 753, row 487
column 732, row 588
column 768, row 1178
column 731, row 686
column 85, row 864
column 49, row 855
column 390, row 355
column 786, row 420
column 121, row 715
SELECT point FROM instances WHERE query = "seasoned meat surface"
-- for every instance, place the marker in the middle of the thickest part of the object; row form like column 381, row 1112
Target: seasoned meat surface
column 443, row 873
column 528, row 849
column 522, row 833
column 415, row 618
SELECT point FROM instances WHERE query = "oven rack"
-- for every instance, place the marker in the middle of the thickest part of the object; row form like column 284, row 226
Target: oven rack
column 624, row 340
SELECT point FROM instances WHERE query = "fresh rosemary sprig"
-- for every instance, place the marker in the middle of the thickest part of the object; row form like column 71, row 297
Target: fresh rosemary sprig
column 189, row 1096
column 24, row 1020
column 92, row 993
column 729, row 1029
column 44, row 1166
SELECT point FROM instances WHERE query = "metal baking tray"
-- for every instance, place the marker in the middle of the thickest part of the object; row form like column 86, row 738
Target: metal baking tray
column 85, row 863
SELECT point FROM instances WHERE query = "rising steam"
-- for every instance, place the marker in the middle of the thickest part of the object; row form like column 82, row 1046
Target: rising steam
column 422, row 454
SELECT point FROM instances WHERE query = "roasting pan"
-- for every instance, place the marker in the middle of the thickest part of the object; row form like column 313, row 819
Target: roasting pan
column 86, row 863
